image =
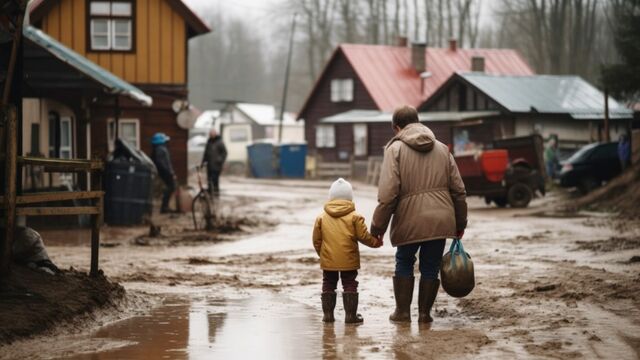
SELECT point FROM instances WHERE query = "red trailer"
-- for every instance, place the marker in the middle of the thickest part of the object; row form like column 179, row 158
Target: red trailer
column 506, row 171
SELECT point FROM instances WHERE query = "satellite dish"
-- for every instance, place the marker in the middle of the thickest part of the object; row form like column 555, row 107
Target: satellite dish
column 178, row 105
column 185, row 119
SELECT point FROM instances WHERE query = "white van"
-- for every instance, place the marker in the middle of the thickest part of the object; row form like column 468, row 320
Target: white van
column 236, row 137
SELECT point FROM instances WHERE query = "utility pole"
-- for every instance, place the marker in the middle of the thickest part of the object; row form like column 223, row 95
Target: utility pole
column 286, row 77
column 607, row 137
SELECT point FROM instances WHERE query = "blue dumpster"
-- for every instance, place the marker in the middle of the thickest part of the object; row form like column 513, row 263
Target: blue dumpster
column 292, row 160
column 262, row 160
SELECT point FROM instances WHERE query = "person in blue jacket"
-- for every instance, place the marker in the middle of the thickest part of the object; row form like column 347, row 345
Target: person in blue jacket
column 624, row 151
column 162, row 159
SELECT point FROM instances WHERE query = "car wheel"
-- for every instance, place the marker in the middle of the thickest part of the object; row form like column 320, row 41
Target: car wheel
column 587, row 185
column 519, row 195
column 500, row 201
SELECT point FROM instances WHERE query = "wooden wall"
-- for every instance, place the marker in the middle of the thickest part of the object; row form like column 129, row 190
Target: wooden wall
column 159, row 118
column 160, row 46
column 320, row 105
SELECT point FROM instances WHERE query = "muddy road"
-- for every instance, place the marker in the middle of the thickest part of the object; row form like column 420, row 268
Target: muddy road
column 547, row 286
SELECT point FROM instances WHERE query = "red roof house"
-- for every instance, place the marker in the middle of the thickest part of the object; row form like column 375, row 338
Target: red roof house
column 378, row 77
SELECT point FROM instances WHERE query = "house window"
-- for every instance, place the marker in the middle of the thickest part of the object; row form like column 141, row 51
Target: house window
column 66, row 138
column 60, row 136
column 325, row 136
column 111, row 25
column 239, row 135
column 341, row 90
column 128, row 130
column 360, row 139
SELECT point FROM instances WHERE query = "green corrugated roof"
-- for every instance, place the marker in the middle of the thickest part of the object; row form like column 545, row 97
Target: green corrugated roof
column 111, row 83
column 556, row 94
column 373, row 116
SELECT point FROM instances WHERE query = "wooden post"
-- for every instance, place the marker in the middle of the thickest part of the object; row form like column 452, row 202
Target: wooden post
column 11, row 158
column 96, row 223
column 607, row 136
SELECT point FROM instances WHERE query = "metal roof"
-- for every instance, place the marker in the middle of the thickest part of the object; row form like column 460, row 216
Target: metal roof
column 111, row 83
column 555, row 94
column 264, row 114
column 375, row 116
column 391, row 80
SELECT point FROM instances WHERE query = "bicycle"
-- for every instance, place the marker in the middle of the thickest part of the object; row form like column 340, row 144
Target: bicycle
column 202, row 206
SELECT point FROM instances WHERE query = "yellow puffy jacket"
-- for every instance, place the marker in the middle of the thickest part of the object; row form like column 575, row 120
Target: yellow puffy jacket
column 336, row 235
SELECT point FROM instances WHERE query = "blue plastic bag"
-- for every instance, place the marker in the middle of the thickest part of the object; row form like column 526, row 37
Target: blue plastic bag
column 456, row 271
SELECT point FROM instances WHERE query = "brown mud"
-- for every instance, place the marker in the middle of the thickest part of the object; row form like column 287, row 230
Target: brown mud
column 546, row 287
column 33, row 302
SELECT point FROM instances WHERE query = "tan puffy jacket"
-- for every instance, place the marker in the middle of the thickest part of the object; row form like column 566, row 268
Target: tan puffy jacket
column 336, row 235
column 420, row 185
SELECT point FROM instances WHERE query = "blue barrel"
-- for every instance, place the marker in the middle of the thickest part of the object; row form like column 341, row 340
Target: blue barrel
column 292, row 160
column 262, row 160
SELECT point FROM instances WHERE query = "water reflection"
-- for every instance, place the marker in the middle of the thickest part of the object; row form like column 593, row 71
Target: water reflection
column 259, row 327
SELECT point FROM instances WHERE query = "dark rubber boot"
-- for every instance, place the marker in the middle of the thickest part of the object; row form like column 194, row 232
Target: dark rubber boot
column 403, row 291
column 350, row 302
column 426, row 297
column 328, row 304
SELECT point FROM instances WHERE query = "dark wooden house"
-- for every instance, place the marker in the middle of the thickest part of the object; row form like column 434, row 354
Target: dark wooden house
column 143, row 42
column 381, row 78
column 563, row 106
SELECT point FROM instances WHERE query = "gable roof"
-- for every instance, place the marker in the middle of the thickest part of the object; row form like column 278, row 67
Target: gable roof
column 391, row 80
column 39, row 8
column 553, row 94
column 377, row 116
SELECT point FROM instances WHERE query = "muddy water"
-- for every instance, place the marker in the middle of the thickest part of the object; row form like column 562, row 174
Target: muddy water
column 205, row 328
column 265, row 325
column 271, row 281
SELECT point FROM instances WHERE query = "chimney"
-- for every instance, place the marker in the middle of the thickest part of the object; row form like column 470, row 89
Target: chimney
column 402, row 41
column 419, row 57
column 453, row 44
column 477, row 64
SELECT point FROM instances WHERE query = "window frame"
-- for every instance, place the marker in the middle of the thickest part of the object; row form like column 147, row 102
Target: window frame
column 365, row 144
column 323, row 144
column 111, row 136
column 111, row 24
column 340, row 92
column 68, row 148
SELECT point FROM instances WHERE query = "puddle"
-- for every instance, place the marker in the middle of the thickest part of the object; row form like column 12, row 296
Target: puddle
column 224, row 329
column 265, row 326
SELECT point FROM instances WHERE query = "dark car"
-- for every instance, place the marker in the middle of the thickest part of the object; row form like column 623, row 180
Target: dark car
column 590, row 166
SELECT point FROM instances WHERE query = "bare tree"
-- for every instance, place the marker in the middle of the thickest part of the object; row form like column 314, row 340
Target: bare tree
column 382, row 4
column 396, row 20
column 416, row 21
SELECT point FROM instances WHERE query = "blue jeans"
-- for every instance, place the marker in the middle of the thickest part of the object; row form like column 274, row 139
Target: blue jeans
column 430, row 258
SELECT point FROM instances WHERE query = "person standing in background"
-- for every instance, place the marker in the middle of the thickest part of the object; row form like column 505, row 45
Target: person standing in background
column 624, row 151
column 162, row 159
column 215, row 154
column 551, row 158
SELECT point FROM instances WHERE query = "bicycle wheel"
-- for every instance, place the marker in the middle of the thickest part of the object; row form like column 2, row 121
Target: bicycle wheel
column 201, row 211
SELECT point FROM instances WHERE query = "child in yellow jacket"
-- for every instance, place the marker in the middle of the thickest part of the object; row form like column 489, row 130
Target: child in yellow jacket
column 335, row 237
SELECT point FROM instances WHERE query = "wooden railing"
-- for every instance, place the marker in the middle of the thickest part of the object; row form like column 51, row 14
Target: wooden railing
column 34, row 204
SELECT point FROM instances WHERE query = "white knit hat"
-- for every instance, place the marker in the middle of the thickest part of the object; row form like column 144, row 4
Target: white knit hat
column 341, row 190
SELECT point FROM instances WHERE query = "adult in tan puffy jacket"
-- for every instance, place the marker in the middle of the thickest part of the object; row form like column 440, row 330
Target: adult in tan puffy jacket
column 421, row 187
column 335, row 237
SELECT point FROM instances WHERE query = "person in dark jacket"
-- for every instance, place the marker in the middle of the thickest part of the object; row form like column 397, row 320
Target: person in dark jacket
column 624, row 151
column 162, row 159
column 215, row 154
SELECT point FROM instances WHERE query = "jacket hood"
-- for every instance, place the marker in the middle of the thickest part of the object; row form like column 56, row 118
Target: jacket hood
column 416, row 136
column 339, row 208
